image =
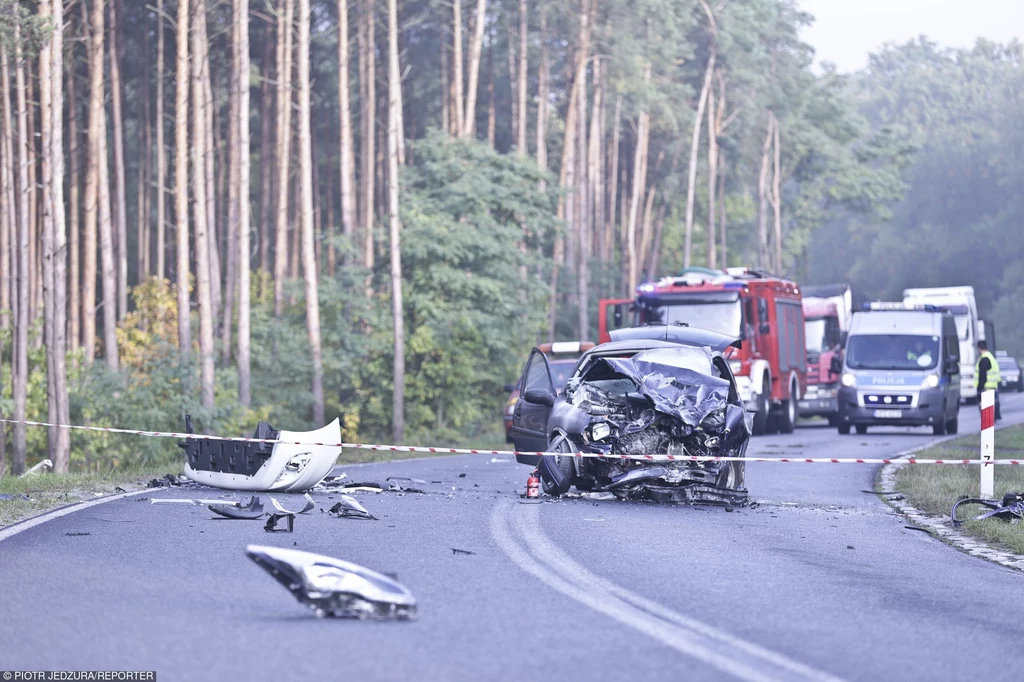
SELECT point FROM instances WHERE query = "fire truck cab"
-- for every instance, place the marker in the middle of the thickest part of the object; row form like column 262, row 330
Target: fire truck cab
column 765, row 312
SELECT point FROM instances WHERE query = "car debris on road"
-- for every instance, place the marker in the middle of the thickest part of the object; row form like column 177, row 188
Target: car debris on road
column 349, row 508
column 253, row 509
column 294, row 465
column 287, row 515
column 332, row 587
column 1010, row 509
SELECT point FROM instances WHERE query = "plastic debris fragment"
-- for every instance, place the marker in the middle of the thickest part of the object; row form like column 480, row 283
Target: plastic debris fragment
column 351, row 509
column 253, row 509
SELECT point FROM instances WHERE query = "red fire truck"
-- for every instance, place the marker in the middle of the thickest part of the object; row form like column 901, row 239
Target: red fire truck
column 762, row 310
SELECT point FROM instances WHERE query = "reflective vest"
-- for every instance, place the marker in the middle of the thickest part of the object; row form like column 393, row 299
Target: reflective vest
column 992, row 377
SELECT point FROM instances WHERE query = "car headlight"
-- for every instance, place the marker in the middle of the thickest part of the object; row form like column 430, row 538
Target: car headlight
column 931, row 381
column 600, row 431
column 849, row 379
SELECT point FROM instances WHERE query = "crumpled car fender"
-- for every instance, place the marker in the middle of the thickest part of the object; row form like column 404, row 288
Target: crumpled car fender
column 290, row 467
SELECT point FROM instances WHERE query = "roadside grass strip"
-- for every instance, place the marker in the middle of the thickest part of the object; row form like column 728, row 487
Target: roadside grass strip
column 933, row 490
column 38, row 493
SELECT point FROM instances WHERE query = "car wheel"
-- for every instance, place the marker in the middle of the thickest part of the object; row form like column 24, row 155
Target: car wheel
column 833, row 420
column 787, row 418
column 862, row 429
column 760, row 425
column 939, row 429
column 953, row 425
column 844, row 429
column 1020, row 386
column 557, row 472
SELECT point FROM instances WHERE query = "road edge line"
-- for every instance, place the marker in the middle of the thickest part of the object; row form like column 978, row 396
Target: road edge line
column 33, row 521
column 938, row 526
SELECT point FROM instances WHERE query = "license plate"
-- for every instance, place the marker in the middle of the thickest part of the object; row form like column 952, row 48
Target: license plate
column 888, row 414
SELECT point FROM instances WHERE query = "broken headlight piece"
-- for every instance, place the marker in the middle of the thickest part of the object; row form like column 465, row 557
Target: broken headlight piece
column 599, row 431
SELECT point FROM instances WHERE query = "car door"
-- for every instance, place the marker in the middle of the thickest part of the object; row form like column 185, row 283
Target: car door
column 530, row 420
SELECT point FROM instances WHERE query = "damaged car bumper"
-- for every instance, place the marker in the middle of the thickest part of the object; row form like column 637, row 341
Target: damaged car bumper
column 293, row 466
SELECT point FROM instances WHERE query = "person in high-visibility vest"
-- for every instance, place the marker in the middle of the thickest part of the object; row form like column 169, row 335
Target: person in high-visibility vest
column 986, row 374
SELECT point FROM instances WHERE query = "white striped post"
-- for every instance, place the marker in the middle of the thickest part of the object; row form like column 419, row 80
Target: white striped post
column 988, row 443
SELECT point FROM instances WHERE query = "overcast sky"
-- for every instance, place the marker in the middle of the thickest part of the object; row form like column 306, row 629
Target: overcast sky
column 845, row 31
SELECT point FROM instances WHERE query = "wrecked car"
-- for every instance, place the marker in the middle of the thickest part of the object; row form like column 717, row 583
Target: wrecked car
column 293, row 466
column 656, row 390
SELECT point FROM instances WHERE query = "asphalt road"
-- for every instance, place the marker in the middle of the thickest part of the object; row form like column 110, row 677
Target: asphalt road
column 821, row 581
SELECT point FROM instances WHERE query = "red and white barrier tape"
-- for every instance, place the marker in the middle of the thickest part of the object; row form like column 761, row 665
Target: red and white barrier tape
column 469, row 451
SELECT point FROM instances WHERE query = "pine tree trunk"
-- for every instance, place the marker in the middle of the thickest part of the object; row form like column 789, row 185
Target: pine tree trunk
column 446, row 85
column 34, row 253
column 210, row 128
column 457, row 76
column 348, row 165
column 394, row 107
column 74, row 208
column 639, row 182
column 56, row 255
column 613, row 181
column 475, row 52
column 369, row 136
column 584, row 231
column 266, row 170
column 91, row 199
column 724, row 258
column 20, row 378
column 243, row 351
column 713, row 119
column 144, row 139
column 234, row 181
column 543, row 77
column 492, row 112
column 777, row 195
column 762, row 196
column 306, row 182
column 521, row 90
column 691, row 186
column 161, row 150
column 46, row 233
column 595, row 167
column 119, row 202
column 181, row 88
column 7, row 236
column 108, row 259
column 200, row 154
column 284, row 137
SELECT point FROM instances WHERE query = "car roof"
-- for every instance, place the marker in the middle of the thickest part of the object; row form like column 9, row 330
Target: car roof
column 677, row 334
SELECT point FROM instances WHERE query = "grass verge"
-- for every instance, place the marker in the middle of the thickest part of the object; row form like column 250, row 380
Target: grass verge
column 38, row 493
column 934, row 489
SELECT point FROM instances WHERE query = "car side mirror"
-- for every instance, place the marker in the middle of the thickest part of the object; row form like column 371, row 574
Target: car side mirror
column 952, row 366
column 764, row 328
column 836, row 365
column 842, row 339
column 539, row 396
column 509, row 388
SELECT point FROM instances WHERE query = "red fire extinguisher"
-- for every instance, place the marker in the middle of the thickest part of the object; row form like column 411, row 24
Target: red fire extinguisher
column 533, row 486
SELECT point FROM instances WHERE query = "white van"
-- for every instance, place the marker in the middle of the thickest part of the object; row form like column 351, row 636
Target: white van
column 960, row 302
column 901, row 368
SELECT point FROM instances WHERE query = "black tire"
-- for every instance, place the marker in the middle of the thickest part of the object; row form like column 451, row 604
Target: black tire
column 760, row 425
column 790, row 413
column 862, row 429
column 1020, row 386
column 953, row 425
column 844, row 429
column 564, row 464
column 939, row 429
column 833, row 420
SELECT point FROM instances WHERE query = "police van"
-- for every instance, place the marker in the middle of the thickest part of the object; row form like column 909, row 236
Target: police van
column 901, row 368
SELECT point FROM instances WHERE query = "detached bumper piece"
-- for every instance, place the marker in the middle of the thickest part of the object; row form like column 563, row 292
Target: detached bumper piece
column 1011, row 509
column 332, row 587
column 295, row 465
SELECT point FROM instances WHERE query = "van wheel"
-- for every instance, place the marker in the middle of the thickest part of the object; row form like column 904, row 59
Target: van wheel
column 760, row 425
column 862, row 429
column 790, row 412
column 844, row 429
column 953, row 425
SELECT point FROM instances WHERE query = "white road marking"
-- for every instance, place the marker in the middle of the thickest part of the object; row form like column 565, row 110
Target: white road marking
column 727, row 653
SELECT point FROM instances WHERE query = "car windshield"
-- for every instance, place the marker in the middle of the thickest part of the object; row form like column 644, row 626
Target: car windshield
column 561, row 370
column 724, row 318
column 892, row 351
column 814, row 333
column 1007, row 363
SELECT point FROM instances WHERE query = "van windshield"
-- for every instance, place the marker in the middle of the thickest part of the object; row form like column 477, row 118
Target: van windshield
column 892, row 352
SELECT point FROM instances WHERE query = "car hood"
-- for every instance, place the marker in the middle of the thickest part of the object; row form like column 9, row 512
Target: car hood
column 676, row 391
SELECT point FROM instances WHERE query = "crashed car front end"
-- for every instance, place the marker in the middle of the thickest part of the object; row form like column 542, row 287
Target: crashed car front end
column 657, row 403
